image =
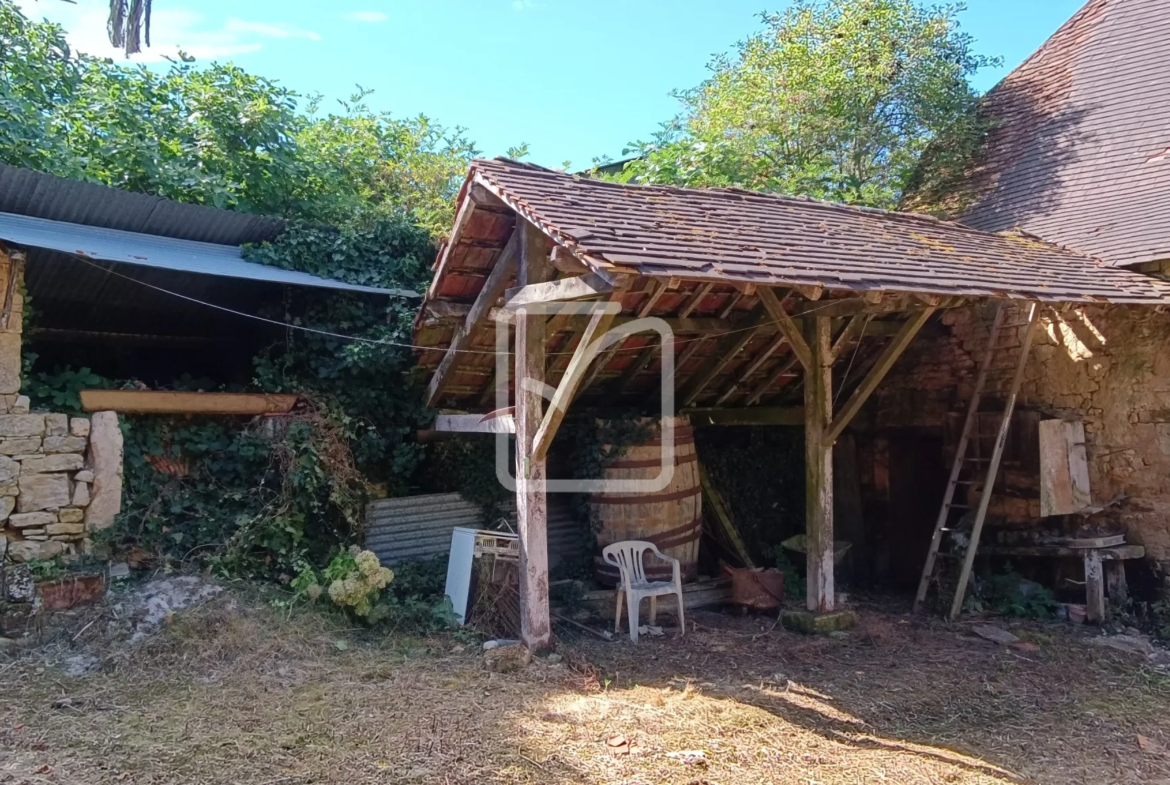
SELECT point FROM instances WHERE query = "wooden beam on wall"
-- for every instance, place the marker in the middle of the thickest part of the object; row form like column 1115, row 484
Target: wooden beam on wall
column 878, row 372
column 531, row 474
column 173, row 402
column 493, row 286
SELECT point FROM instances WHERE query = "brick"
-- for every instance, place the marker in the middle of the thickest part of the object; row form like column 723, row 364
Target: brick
column 70, row 515
column 79, row 426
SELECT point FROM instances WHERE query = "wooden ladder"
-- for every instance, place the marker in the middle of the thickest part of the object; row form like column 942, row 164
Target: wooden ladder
column 969, row 437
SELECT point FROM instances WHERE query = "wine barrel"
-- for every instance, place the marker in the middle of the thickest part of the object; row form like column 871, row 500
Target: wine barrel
column 671, row 518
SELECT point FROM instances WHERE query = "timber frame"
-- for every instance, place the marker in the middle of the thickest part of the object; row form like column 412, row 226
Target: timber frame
column 760, row 351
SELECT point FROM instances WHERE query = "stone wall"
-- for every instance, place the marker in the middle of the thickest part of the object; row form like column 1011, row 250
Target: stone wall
column 1106, row 365
column 60, row 476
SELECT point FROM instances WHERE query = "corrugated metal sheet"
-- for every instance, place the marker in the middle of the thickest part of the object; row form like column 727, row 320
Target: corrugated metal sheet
column 163, row 253
column 419, row 527
column 39, row 195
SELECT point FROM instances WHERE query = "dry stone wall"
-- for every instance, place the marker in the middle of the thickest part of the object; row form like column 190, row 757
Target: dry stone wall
column 60, row 476
column 1108, row 366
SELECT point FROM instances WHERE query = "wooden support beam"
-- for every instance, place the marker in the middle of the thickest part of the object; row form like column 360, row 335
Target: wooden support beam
column 818, row 414
column 689, row 351
column 724, row 520
column 579, row 288
column 751, row 368
column 884, row 363
column 655, row 296
column 586, row 352
column 531, row 475
column 786, row 325
column 172, row 402
column 783, row 368
column 726, row 352
column 644, row 359
column 755, row 415
column 475, row 423
column 696, row 298
column 854, row 330
column 493, row 286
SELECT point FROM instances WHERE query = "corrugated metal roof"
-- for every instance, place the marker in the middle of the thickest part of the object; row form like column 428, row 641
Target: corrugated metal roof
column 165, row 253
column 727, row 235
column 39, row 195
column 419, row 527
column 1079, row 151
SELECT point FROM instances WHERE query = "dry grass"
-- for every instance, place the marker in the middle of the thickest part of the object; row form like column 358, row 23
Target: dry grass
column 235, row 692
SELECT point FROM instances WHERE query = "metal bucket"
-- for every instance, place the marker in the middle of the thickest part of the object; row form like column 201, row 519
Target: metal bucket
column 760, row 589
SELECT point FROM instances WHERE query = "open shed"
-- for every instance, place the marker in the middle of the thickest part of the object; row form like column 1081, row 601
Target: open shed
column 762, row 294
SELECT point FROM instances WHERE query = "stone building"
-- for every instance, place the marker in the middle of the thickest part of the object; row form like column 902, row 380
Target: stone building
column 1078, row 155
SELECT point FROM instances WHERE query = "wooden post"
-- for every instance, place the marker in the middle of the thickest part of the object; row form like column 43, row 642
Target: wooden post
column 1094, row 588
column 531, row 504
column 818, row 451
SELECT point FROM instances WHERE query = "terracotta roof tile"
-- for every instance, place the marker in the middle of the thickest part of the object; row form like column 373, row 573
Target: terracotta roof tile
column 735, row 235
column 1080, row 154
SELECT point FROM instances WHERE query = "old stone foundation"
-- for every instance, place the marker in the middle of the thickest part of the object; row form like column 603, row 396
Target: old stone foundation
column 60, row 480
column 60, row 476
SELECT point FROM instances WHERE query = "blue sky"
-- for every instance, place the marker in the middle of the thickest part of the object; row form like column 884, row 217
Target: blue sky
column 573, row 78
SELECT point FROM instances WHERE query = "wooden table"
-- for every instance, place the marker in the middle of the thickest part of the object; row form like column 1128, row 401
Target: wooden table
column 1104, row 569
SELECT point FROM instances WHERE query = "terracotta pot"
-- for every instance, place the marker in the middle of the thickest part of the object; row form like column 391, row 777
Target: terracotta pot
column 759, row 589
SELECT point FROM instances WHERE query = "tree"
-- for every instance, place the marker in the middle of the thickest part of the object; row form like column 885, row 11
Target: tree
column 835, row 99
column 218, row 135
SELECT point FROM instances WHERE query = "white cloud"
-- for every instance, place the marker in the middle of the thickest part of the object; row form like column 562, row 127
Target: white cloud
column 265, row 30
column 366, row 16
column 171, row 30
column 520, row 5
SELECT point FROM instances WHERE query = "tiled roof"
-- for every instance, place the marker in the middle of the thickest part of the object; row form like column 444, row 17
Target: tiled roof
column 1080, row 154
column 734, row 235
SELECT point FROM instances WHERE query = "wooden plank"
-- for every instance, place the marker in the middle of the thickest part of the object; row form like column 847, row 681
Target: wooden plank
column 585, row 353
column 170, row 402
column 644, row 359
column 1094, row 588
column 725, row 353
column 755, row 415
column 749, row 371
column 784, row 368
column 878, row 372
column 493, row 286
column 578, row 288
column 818, row 410
column 1115, row 584
column 721, row 516
column 786, row 325
column 474, row 423
column 696, row 298
column 655, row 295
column 1064, row 468
column 854, row 330
column 531, row 475
column 1115, row 553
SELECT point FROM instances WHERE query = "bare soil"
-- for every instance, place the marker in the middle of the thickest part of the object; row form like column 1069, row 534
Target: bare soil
column 234, row 690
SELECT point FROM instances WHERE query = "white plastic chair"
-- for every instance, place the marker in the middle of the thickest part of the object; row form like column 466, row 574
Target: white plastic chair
column 627, row 557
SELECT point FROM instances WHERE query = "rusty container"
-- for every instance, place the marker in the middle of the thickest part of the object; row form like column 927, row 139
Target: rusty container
column 71, row 592
column 759, row 588
column 671, row 518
